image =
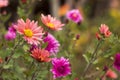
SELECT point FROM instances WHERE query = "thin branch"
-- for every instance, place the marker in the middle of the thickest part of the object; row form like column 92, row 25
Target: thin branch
column 92, row 58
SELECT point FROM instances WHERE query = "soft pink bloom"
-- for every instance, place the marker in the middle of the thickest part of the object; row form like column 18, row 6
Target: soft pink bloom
column 108, row 33
column 30, row 30
column 51, row 22
column 111, row 74
column 3, row 3
column 104, row 29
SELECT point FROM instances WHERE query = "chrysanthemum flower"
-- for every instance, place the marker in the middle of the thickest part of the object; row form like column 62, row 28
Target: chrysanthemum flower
column 3, row 3
column 117, row 61
column 30, row 30
column 52, row 44
column 11, row 34
column 74, row 15
column 61, row 67
column 40, row 55
column 108, row 33
column 104, row 29
column 51, row 22
column 111, row 74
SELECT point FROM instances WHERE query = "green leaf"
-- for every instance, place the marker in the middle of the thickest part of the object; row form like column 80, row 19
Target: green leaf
column 7, row 66
column 86, row 58
column 17, row 55
column 96, row 61
column 21, row 12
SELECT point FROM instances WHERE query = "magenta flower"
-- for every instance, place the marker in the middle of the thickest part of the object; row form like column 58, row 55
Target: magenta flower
column 61, row 67
column 74, row 15
column 12, row 29
column 11, row 34
column 53, row 44
column 117, row 62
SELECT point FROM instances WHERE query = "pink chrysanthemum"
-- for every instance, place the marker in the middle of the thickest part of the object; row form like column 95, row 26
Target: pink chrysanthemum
column 74, row 15
column 61, row 67
column 51, row 22
column 3, row 3
column 30, row 30
column 111, row 74
column 104, row 29
column 53, row 44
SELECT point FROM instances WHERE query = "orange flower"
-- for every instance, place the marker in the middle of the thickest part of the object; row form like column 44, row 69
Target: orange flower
column 63, row 9
column 41, row 55
column 51, row 22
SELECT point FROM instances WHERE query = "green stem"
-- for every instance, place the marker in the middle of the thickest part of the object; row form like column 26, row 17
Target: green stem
column 34, row 75
column 92, row 58
column 36, row 72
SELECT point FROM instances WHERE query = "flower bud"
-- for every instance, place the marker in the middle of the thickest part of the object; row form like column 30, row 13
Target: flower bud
column 77, row 36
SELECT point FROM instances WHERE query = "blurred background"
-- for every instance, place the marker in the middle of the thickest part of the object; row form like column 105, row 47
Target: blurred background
column 94, row 12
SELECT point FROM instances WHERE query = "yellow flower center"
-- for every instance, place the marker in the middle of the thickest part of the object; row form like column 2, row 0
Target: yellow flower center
column 28, row 33
column 51, row 25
